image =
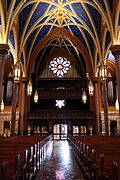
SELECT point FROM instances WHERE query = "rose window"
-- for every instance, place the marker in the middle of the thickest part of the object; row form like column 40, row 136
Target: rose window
column 59, row 66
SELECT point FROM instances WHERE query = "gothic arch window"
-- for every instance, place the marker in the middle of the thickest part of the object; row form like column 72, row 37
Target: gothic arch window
column 60, row 66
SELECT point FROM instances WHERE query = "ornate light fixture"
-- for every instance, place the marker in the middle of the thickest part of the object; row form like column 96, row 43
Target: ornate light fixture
column 103, row 71
column 90, row 88
column 90, row 85
column 2, row 106
column 17, row 71
column 117, row 104
column 36, row 97
column 84, row 97
column 29, row 88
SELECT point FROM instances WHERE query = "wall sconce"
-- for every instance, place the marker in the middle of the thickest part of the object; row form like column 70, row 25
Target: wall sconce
column 17, row 71
column 2, row 106
column 36, row 97
column 29, row 88
column 84, row 97
column 103, row 71
column 90, row 88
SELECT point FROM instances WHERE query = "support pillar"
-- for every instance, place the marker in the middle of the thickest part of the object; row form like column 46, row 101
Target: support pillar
column 22, row 106
column 116, row 52
column 14, row 106
column 97, row 108
column 105, row 106
column 3, row 52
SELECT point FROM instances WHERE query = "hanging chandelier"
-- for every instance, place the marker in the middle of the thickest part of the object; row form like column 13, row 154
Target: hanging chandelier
column 36, row 97
column 90, row 88
column 103, row 71
column 29, row 88
column 117, row 104
column 2, row 106
column 17, row 71
column 84, row 97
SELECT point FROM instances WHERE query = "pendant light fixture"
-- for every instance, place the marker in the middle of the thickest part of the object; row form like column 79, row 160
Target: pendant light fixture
column 90, row 88
column 117, row 104
column 36, row 96
column 2, row 106
column 84, row 97
column 103, row 71
column 29, row 88
column 17, row 71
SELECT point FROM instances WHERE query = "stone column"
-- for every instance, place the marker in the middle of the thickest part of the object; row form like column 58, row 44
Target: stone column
column 97, row 108
column 105, row 106
column 14, row 106
column 3, row 52
column 22, row 106
column 116, row 52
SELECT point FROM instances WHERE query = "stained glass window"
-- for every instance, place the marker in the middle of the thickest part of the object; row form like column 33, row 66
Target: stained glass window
column 59, row 66
column 60, row 103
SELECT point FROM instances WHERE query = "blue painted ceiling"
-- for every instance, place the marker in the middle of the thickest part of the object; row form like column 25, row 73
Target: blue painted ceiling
column 81, row 19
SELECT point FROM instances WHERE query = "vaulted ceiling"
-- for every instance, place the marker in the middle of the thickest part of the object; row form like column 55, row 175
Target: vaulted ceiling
column 85, row 28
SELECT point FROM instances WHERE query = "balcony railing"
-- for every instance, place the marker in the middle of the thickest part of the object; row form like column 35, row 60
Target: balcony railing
column 60, row 114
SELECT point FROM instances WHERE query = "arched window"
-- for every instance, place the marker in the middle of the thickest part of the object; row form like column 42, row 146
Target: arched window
column 59, row 66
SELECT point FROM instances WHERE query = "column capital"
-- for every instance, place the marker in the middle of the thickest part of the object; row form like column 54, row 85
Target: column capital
column 115, row 49
column 95, row 80
column 4, row 49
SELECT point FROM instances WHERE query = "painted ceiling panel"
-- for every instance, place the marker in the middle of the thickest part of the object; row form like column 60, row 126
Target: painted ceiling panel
column 16, row 4
column 52, row 7
column 90, row 41
column 73, row 51
column 23, row 17
column 108, row 39
column 68, row 8
column 11, row 38
column 66, row 27
column 41, row 35
column 54, row 27
column 77, row 20
column 29, row 42
column 80, row 12
column 96, row 18
column 78, row 34
column 102, row 4
column 40, row 11
column 42, row 21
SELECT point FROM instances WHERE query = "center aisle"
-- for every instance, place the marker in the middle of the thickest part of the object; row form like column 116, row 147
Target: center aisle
column 59, row 163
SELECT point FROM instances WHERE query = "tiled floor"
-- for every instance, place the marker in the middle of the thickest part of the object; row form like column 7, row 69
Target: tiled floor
column 59, row 163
